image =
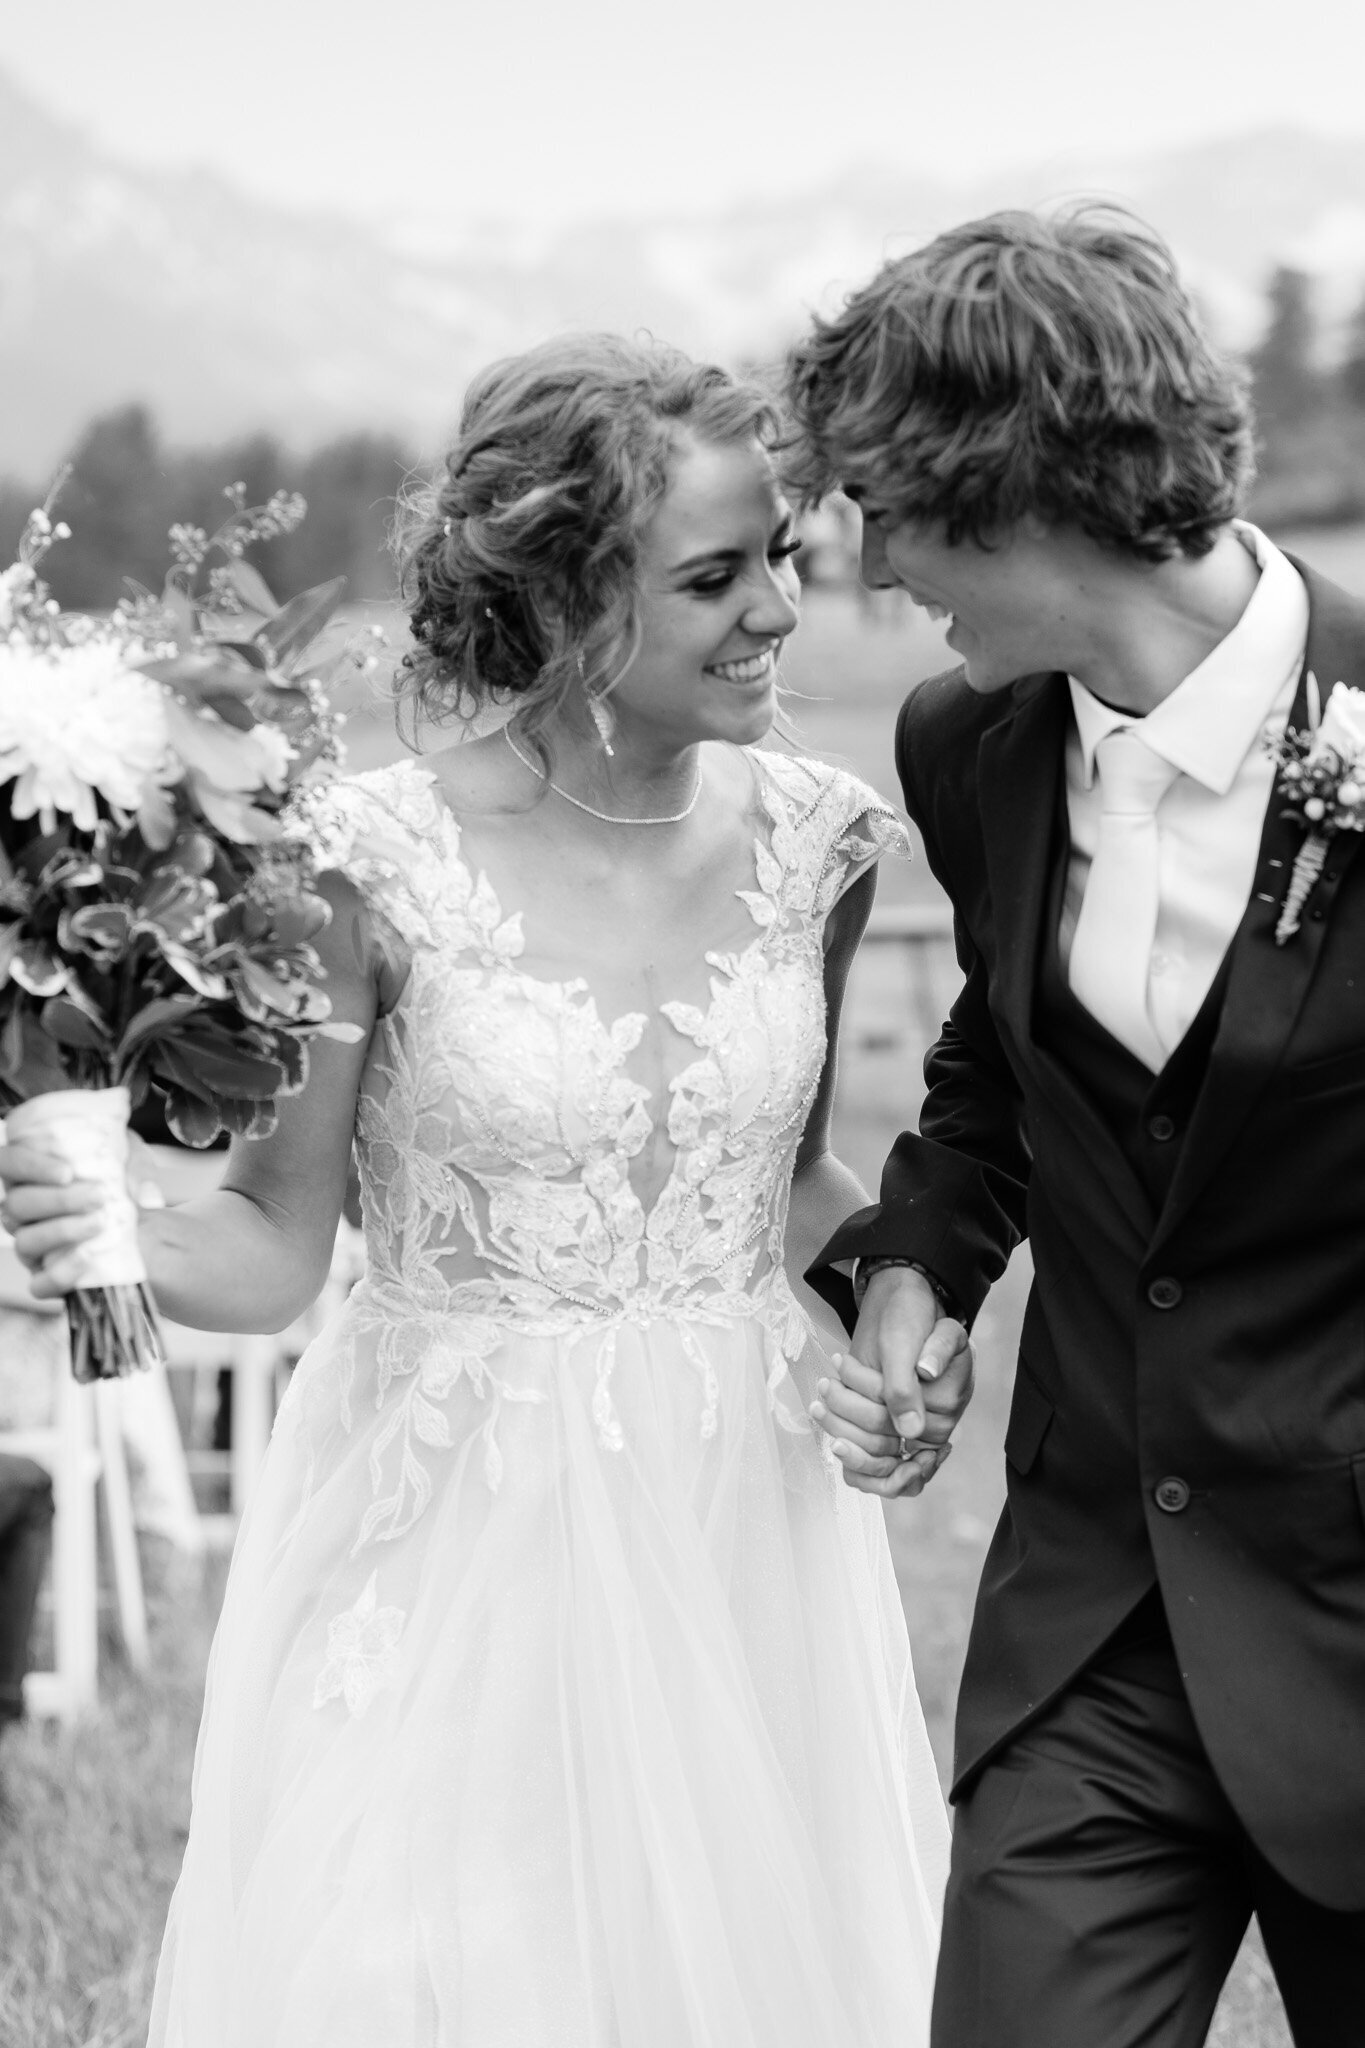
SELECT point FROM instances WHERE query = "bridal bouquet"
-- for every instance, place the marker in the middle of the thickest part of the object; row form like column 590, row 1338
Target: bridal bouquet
column 155, row 919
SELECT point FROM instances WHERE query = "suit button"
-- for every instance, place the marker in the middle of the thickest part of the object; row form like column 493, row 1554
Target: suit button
column 1162, row 1128
column 1164, row 1292
column 1172, row 1496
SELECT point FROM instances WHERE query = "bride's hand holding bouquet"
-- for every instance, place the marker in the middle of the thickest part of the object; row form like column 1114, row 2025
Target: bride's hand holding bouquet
column 156, row 918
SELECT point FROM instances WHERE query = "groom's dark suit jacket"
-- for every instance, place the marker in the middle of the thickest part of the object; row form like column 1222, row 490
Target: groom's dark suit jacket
column 1189, row 1407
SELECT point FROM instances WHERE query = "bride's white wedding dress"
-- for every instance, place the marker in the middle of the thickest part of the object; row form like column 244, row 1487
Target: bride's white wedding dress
column 562, row 1696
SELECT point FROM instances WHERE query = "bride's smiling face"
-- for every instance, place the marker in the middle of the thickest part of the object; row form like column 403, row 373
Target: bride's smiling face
column 718, row 598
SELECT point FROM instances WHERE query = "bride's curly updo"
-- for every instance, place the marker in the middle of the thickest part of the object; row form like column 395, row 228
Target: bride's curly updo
column 520, row 562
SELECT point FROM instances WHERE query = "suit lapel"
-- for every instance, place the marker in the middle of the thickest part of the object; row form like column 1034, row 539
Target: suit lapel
column 1268, row 984
column 1020, row 764
column 1019, row 769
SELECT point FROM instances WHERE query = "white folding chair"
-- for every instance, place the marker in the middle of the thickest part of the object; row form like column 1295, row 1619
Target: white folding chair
column 81, row 1447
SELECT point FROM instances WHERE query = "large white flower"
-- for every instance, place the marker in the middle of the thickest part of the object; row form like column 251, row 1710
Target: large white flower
column 76, row 721
column 1343, row 724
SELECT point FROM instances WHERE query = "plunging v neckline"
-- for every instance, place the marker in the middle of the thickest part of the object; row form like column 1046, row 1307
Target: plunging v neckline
column 448, row 835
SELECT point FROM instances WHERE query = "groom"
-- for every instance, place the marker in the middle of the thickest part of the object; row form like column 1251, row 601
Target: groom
column 1162, row 1719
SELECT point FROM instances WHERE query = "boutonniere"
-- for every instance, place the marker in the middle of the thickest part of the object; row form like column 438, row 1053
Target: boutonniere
column 1322, row 773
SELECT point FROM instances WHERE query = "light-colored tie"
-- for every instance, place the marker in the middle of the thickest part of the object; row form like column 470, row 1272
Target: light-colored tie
column 1111, row 954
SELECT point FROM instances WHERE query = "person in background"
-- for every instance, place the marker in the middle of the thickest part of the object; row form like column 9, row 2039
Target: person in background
column 25, row 1546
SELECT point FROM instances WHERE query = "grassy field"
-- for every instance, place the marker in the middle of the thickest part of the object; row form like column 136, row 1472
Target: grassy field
column 92, row 1823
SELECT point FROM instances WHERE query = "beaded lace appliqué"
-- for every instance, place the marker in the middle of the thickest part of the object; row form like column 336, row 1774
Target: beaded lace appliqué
column 362, row 1650
column 497, row 1126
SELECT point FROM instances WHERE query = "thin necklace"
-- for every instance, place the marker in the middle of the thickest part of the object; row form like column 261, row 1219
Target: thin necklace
column 675, row 818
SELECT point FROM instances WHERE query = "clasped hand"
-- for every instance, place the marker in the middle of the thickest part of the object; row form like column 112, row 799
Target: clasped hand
column 49, row 1213
column 903, row 1385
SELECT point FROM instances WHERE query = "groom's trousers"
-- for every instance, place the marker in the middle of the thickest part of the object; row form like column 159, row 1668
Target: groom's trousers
column 1101, row 1883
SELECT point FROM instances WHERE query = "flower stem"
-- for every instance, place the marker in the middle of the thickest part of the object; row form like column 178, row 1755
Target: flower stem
column 1305, row 871
column 113, row 1330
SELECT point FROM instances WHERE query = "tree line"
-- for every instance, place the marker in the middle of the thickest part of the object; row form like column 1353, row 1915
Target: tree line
column 1310, row 412
column 126, row 486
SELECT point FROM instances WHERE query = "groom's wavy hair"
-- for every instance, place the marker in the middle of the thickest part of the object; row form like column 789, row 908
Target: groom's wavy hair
column 520, row 561
column 1022, row 364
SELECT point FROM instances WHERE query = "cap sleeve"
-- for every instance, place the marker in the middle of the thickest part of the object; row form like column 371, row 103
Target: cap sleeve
column 374, row 829
column 830, row 827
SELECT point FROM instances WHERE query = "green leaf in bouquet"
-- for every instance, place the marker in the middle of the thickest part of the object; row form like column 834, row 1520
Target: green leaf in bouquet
column 211, row 1062
column 263, row 993
column 194, row 1122
column 249, row 652
column 297, row 920
column 77, row 994
column 292, row 1054
column 270, row 992
column 236, row 817
column 238, row 712
column 179, row 609
column 30, row 1063
column 194, row 852
column 36, row 968
column 72, row 868
column 153, row 1022
column 173, row 905
column 223, row 755
column 302, row 619
column 245, row 919
column 32, row 858
column 118, row 879
column 282, row 921
column 198, row 673
column 203, row 980
column 73, row 1026
column 286, row 706
column 103, row 930
column 252, row 587
column 249, row 1119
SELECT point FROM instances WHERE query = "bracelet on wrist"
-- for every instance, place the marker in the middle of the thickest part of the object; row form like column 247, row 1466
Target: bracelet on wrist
column 866, row 1268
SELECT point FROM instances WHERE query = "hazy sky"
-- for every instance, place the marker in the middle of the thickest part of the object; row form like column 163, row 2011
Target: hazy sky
column 548, row 108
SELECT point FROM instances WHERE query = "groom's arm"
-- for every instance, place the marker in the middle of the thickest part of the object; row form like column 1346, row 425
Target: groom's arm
column 952, row 1194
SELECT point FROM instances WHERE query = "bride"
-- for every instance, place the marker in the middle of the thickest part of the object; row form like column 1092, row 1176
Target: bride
column 561, row 1696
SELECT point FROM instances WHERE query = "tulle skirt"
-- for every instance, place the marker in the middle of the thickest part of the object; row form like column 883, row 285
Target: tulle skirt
column 564, row 1702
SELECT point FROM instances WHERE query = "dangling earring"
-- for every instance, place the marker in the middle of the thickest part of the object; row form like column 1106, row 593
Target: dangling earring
column 600, row 710
column 606, row 725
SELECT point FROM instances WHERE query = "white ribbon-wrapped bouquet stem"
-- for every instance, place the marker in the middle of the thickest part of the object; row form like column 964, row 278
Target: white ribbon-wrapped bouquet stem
column 110, row 1311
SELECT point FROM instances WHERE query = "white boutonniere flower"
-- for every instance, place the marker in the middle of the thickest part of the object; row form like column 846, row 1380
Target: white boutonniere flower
column 1322, row 774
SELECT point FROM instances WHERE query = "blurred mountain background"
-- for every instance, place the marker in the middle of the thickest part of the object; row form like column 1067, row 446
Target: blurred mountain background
column 161, row 329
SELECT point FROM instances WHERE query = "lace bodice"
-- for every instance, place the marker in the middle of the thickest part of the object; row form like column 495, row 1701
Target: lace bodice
column 520, row 1175
column 498, row 1117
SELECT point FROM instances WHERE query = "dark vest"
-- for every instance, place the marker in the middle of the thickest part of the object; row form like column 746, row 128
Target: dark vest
column 1148, row 1113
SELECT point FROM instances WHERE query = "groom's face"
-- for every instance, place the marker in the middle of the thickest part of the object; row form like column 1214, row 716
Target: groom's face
column 1008, row 605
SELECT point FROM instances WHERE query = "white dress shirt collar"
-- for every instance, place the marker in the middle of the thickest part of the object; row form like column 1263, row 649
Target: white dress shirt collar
column 1212, row 719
